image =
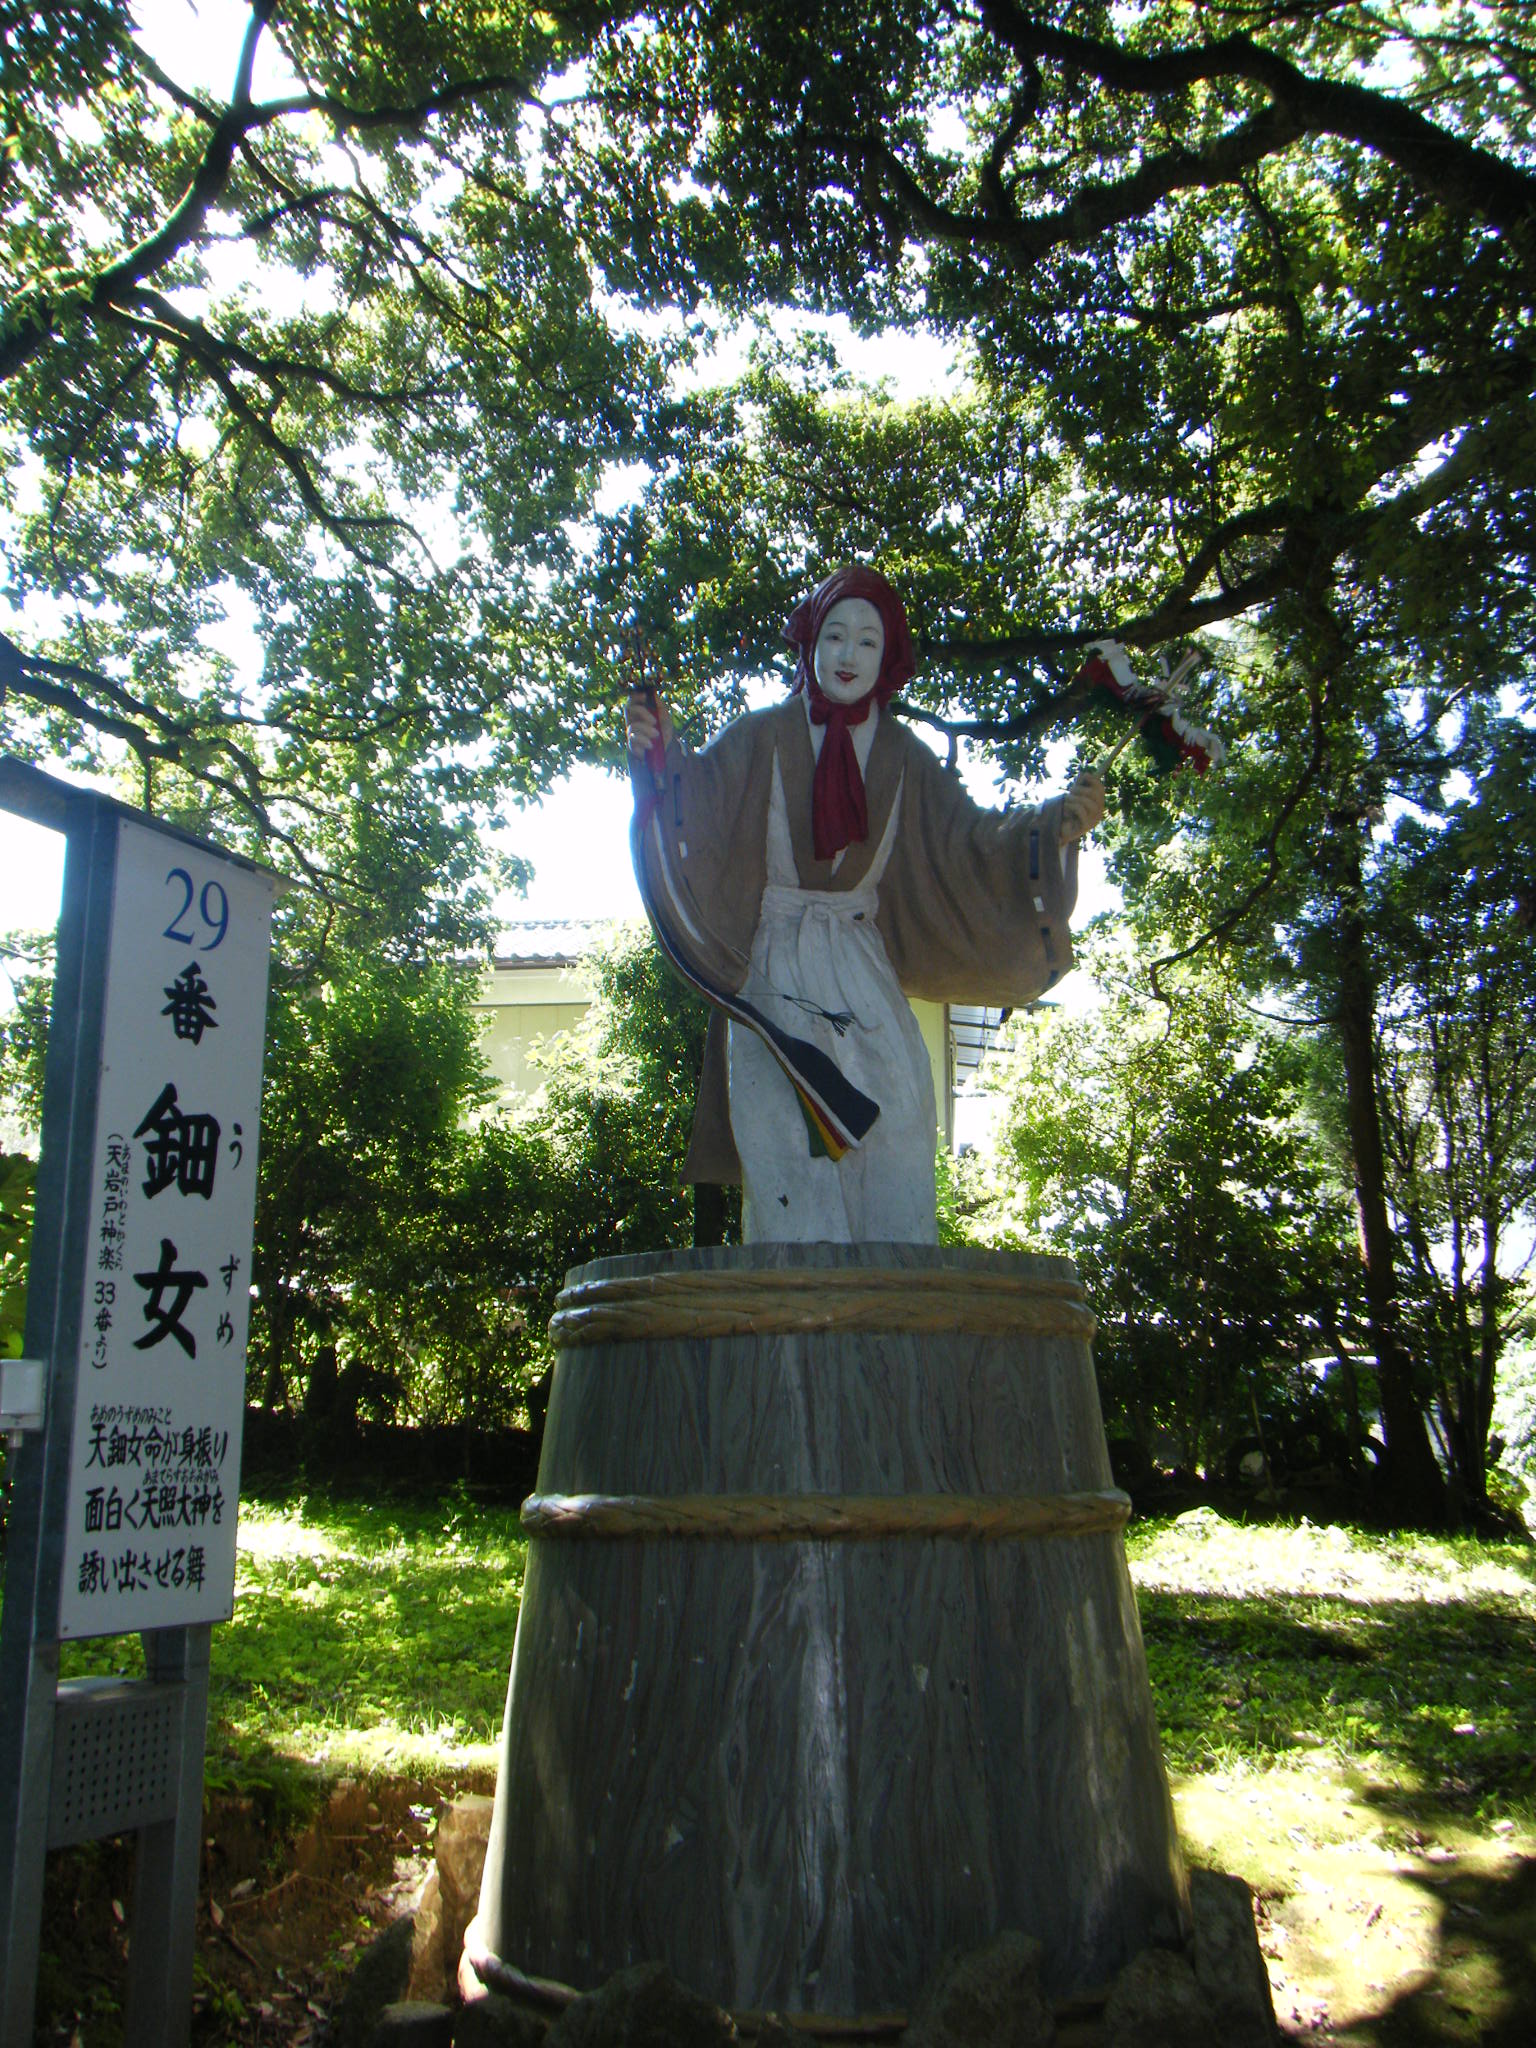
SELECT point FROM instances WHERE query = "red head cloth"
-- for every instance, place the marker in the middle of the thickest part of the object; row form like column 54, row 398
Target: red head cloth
column 810, row 615
column 839, row 812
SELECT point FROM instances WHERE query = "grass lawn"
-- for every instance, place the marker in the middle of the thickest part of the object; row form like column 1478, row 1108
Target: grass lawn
column 1349, row 1722
column 369, row 1638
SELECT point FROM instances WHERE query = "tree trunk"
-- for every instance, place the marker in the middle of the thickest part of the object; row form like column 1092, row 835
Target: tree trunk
column 1413, row 1486
column 1355, row 1450
column 1487, row 1344
column 274, row 1388
column 708, row 1214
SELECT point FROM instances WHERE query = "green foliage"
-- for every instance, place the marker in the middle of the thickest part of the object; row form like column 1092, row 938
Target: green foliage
column 24, row 1027
column 18, row 1187
column 610, row 1127
column 1458, row 1091
column 1514, row 1418
column 362, row 1634
column 23, row 1044
column 1169, row 1153
column 366, row 1635
column 1239, row 295
column 325, row 365
column 409, row 1247
column 1241, row 298
column 1405, row 953
column 1240, row 303
column 379, row 1634
column 369, row 1076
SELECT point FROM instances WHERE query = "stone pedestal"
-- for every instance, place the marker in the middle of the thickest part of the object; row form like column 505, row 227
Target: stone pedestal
column 828, row 1659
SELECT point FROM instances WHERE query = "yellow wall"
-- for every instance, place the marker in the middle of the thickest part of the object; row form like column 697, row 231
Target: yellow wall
column 519, row 1004
column 933, row 1018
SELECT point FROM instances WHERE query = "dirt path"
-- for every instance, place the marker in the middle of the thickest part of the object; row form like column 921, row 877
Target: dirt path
column 280, row 1923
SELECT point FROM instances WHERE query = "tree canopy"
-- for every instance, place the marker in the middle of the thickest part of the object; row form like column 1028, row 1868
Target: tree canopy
column 323, row 361
column 1242, row 292
column 444, row 346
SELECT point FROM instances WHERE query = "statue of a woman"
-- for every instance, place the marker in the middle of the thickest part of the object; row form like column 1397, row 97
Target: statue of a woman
column 809, row 870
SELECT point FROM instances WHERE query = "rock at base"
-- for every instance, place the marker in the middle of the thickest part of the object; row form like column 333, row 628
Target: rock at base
column 413, row 2023
column 497, row 2022
column 986, row 1998
column 644, row 2007
column 774, row 2031
column 378, row 1979
column 429, row 1955
column 450, row 1896
column 462, row 1836
column 1156, row 2002
column 1228, row 1962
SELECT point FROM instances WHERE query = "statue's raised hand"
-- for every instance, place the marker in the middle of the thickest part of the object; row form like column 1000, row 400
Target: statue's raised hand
column 1083, row 805
column 646, row 721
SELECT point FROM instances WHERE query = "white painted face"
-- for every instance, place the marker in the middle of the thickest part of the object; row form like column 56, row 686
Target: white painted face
column 849, row 650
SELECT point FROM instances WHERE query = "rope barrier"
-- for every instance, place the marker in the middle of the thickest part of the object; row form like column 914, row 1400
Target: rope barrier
column 551, row 1996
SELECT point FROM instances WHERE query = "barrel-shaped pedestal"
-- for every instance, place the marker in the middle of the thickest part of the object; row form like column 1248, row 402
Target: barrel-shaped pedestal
column 828, row 1659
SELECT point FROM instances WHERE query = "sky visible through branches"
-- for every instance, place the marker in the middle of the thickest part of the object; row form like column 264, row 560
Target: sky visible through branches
column 576, row 839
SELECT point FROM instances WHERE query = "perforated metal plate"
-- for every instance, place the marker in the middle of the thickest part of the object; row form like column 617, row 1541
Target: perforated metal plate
column 115, row 1744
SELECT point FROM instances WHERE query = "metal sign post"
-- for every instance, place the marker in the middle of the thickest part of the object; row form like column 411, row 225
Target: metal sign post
column 123, row 1502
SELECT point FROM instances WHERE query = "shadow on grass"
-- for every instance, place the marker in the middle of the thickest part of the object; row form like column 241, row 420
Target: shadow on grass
column 1426, row 1709
column 1439, row 1697
column 1481, row 1987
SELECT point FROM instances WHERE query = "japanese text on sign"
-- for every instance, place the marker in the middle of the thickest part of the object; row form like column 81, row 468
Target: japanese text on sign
column 156, row 1446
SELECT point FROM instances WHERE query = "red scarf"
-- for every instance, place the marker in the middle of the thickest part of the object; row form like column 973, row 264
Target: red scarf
column 839, row 809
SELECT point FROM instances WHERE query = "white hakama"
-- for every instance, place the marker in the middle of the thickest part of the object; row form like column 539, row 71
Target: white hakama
column 820, row 971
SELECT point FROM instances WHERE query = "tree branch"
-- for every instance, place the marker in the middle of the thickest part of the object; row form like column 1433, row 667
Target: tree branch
column 1046, row 709
column 239, row 120
column 34, row 677
column 272, row 370
column 1094, row 208
column 27, row 676
column 414, row 114
column 1167, row 621
column 343, row 527
column 1460, row 175
column 185, row 219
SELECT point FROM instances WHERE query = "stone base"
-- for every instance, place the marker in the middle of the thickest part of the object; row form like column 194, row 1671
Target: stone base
column 1213, row 1992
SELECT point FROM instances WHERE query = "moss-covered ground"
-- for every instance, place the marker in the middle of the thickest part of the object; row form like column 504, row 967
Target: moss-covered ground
column 1349, row 1722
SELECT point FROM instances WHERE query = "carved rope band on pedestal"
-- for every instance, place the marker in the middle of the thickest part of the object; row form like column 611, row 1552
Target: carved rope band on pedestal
column 824, row 1517
column 897, row 1299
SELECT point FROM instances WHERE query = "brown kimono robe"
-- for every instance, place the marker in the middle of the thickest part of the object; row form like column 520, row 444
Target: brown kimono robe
column 973, row 905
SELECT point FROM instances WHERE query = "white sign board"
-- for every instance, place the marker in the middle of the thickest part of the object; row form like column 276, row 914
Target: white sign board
column 149, row 1537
